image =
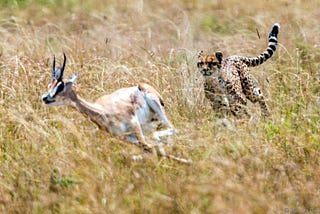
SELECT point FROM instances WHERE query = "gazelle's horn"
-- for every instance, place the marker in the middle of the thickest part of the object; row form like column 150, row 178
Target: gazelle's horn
column 64, row 61
column 63, row 66
column 54, row 66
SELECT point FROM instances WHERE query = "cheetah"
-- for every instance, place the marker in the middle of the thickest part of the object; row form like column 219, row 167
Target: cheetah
column 228, row 82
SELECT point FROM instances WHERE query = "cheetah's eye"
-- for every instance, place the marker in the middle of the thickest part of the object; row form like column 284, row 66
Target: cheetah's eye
column 200, row 64
column 212, row 64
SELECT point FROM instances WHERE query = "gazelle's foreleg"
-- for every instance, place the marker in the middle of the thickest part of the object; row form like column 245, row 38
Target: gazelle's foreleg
column 168, row 132
column 164, row 120
column 156, row 107
column 158, row 148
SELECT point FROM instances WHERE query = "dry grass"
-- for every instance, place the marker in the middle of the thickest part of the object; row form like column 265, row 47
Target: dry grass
column 53, row 160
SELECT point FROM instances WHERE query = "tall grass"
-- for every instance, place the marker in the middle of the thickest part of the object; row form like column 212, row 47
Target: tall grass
column 54, row 160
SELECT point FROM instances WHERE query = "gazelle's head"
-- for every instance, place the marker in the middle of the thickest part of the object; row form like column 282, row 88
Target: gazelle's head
column 59, row 93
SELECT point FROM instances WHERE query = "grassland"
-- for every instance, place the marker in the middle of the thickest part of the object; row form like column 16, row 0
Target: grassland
column 54, row 160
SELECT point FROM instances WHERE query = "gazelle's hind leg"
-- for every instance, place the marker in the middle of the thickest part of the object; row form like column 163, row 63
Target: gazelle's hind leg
column 156, row 106
column 132, row 139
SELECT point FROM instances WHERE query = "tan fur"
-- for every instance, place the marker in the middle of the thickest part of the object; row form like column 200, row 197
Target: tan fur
column 126, row 113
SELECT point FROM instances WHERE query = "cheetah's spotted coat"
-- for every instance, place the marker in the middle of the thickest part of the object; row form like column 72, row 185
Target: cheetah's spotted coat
column 228, row 82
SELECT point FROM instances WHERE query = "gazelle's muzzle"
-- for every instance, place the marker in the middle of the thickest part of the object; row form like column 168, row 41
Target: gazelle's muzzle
column 54, row 89
column 47, row 99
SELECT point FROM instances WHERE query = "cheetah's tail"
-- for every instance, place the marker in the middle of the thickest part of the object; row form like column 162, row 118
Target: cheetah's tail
column 272, row 47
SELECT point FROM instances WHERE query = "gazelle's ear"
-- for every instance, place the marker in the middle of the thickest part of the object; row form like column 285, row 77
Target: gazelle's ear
column 73, row 78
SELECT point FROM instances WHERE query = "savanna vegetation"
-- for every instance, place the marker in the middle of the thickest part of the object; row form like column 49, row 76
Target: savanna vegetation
column 54, row 160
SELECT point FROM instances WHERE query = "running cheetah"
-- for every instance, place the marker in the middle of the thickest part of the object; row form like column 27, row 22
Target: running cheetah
column 228, row 82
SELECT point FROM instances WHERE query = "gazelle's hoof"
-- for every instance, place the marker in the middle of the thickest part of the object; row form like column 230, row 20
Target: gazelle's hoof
column 148, row 147
column 137, row 157
column 156, row 137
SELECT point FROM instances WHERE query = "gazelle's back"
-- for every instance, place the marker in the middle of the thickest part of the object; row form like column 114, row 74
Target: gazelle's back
column 132, row 96
column 121, row 100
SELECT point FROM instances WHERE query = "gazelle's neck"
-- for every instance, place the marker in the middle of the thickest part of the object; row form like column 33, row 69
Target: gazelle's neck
column 94, row 111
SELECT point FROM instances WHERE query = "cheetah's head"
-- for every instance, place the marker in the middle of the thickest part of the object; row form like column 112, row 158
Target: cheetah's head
column 208, row 64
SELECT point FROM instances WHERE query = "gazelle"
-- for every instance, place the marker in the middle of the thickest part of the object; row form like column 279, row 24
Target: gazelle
column 127, row 112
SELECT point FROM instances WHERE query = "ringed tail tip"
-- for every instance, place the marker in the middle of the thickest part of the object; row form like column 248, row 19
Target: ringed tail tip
column 275, row 29
column 276, row 25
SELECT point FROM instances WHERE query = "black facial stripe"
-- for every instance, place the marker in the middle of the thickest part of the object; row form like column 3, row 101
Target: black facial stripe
column 213, row 63
column 59, row 87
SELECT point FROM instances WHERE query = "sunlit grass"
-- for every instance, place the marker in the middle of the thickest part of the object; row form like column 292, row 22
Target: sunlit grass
column 55, row 160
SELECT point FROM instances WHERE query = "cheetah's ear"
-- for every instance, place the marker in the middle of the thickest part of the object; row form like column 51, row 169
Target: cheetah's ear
column 200, row 54
column 219, row 55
